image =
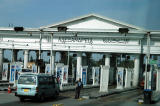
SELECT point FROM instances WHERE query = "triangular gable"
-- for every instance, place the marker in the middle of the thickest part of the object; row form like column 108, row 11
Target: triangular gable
column 92, row 21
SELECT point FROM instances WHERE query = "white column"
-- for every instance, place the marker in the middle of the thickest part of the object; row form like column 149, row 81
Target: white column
column 104, row 78
column 25, row 58
column 52, row 61
column 1, row 61
column 128, row 78
column 136, row 70
column 107, row 60
column 79, row 65
column 158, row 81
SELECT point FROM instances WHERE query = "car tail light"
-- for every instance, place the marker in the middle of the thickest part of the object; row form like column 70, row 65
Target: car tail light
column 36, row 89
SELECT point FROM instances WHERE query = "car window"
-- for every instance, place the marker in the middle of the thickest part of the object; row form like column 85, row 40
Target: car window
column 29, row 80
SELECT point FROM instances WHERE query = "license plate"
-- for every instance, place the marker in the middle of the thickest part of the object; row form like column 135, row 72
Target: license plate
column 26, row 90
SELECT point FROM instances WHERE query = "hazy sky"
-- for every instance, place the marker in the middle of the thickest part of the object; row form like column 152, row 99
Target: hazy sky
column 36, row 13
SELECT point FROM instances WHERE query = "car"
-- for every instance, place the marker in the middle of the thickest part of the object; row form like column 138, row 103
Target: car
column 36, row 86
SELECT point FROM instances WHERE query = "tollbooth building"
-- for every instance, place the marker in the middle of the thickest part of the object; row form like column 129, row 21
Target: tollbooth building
column 99, row 50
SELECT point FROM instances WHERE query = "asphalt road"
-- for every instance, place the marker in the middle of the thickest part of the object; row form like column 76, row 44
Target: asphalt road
column 67, row 99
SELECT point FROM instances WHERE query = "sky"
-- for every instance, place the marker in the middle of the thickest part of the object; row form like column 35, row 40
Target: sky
column 36, row 13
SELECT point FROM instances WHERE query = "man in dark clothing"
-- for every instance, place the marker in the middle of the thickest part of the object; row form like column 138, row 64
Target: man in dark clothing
column 79, row 86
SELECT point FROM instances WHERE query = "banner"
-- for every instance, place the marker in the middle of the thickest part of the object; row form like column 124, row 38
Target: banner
column 5, row 71
column 84, row 75
column 120, row 77
column 12, row 72
column 65, row 74
column 59, row 73
column 15, row 68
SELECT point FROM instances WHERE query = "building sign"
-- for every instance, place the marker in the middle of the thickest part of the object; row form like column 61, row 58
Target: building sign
column 115, row 40
column 75, row 40
column 90, row 40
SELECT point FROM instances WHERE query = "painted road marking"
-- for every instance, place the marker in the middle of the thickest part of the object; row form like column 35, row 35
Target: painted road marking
column 80, row 99
column 58, row 104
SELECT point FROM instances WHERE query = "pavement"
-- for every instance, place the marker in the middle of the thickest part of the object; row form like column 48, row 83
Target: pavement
column 88, row 91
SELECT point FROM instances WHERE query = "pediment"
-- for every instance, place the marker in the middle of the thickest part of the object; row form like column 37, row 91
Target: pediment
column 92, row 21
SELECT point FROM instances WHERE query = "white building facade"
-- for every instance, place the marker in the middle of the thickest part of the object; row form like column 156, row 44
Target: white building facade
column 90, row 33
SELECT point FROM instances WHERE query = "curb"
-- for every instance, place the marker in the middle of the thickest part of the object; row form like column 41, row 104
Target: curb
column 112, row 93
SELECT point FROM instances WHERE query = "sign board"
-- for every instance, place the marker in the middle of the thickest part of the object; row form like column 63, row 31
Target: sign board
column 59, row 74
column 120, row 73
column 15, row 68
column 65, row 74
column 5, row 71
column 12, row 72
column 84, row 75
column 152, row 62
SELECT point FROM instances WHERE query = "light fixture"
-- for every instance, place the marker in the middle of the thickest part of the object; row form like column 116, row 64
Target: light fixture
column 123, row 30
column 62, row 29
column 18, row 29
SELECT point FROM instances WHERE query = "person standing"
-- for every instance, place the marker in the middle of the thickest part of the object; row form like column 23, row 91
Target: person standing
column 79, row 86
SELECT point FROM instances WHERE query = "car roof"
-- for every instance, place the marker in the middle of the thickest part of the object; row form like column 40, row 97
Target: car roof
column 35, row 74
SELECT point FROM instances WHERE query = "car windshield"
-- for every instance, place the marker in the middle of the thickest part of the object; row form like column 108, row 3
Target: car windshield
column 29, row 80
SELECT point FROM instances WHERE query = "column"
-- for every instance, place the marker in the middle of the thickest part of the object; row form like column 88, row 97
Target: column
column 107, row 59
column 1, row 62
column 136, row 70
column 15, row 52
column 25, row 58
column 104, row 78
column 52, row 61
column 128, row 78
column 158, row 80
column 79, row 65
